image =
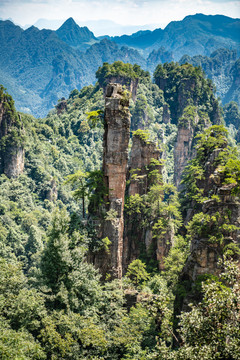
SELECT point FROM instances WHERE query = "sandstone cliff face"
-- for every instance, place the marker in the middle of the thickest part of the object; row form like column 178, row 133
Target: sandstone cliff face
column 189, row 125
column 183, row 152
column 128, row 83
column 13, row 161
column 226, row 207
column 142, row 153
column 115, row 160
column 11, row 149
column 139, row 239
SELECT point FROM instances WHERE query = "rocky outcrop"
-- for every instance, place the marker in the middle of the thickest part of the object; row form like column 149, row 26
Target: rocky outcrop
column 138, row 239
column 13, row 161
column 183, row 152
column 142, row 153
column 52, row 192
column 222, row 227
column 115, row 160
column 127, row 83
column 61, row 106
column 190, row 124
column 11, row 138
column 166, row 117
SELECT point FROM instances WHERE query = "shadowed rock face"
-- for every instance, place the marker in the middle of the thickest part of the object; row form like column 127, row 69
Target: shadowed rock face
column 183, row 152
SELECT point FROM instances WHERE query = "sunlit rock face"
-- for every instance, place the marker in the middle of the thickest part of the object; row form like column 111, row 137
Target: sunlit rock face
column 115, row 162
column 12, row 153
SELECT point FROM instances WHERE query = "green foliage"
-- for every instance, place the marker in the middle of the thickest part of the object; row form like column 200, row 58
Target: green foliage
column 188, row 117
column 8, row 104
column 52, row 304
column 158, row 212
column 137, row 273
column 63, row 268
column 219, row 67
column 213, row 138
column 117, row 69
column 214, row 227
column 175, row 260
column 105, row 244
column 212, row 327
column 232, row 114
column 95, row 117
column 226, row 164
column 142, row 135
column 195, row 90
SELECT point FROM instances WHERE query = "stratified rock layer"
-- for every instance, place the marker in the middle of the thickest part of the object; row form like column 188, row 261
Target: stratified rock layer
column 115, row 160
column 183, row 152
column 136, row 238
column 142, row 153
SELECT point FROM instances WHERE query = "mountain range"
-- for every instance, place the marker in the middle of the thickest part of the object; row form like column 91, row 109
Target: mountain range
column 38, row 67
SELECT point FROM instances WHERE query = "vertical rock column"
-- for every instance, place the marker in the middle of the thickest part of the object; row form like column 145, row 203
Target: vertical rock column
column 12, row 151
column 115, row 159
column 137, row 238
column 183, row 152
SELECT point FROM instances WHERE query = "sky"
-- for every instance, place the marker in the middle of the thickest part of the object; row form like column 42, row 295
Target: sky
column 157, row 13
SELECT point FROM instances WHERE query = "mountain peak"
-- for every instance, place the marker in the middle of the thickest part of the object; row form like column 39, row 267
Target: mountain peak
column 74, row 35
column 69, row 23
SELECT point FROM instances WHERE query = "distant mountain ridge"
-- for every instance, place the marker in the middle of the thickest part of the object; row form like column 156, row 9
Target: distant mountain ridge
column 195, row 34
column 41, row 66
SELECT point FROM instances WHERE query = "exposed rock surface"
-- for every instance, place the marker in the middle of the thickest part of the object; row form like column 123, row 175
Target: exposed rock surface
column 226, row 207
column 136, row 238
column 115, row 160
column 61, row 106
column 142, row 153
column 128, row 83
column 13, row 161
column 183, row 152
column 11, row 142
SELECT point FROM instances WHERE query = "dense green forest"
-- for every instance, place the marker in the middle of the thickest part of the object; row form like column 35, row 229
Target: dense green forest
column 54, row 303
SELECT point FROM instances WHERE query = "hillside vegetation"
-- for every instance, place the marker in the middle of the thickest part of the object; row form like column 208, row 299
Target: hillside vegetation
column 54, row 304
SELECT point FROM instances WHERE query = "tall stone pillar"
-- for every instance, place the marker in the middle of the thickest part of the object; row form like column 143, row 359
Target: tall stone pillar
column 115, row 160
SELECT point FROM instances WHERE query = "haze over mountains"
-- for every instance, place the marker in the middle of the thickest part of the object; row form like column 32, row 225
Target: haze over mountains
column 99, row 27
column 40, row 66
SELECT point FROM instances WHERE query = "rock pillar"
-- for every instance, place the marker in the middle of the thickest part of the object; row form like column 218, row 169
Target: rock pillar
column 12, row 152
column 115, row 160
column 145, row 157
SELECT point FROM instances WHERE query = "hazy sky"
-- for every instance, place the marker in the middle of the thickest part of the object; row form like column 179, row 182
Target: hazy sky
column 125, row 12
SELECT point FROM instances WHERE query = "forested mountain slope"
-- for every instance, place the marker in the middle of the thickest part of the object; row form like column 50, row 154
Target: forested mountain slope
column 195, row 34
column 53, row 304
column 44, row 68
column 223, row 67
column 41, row 66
